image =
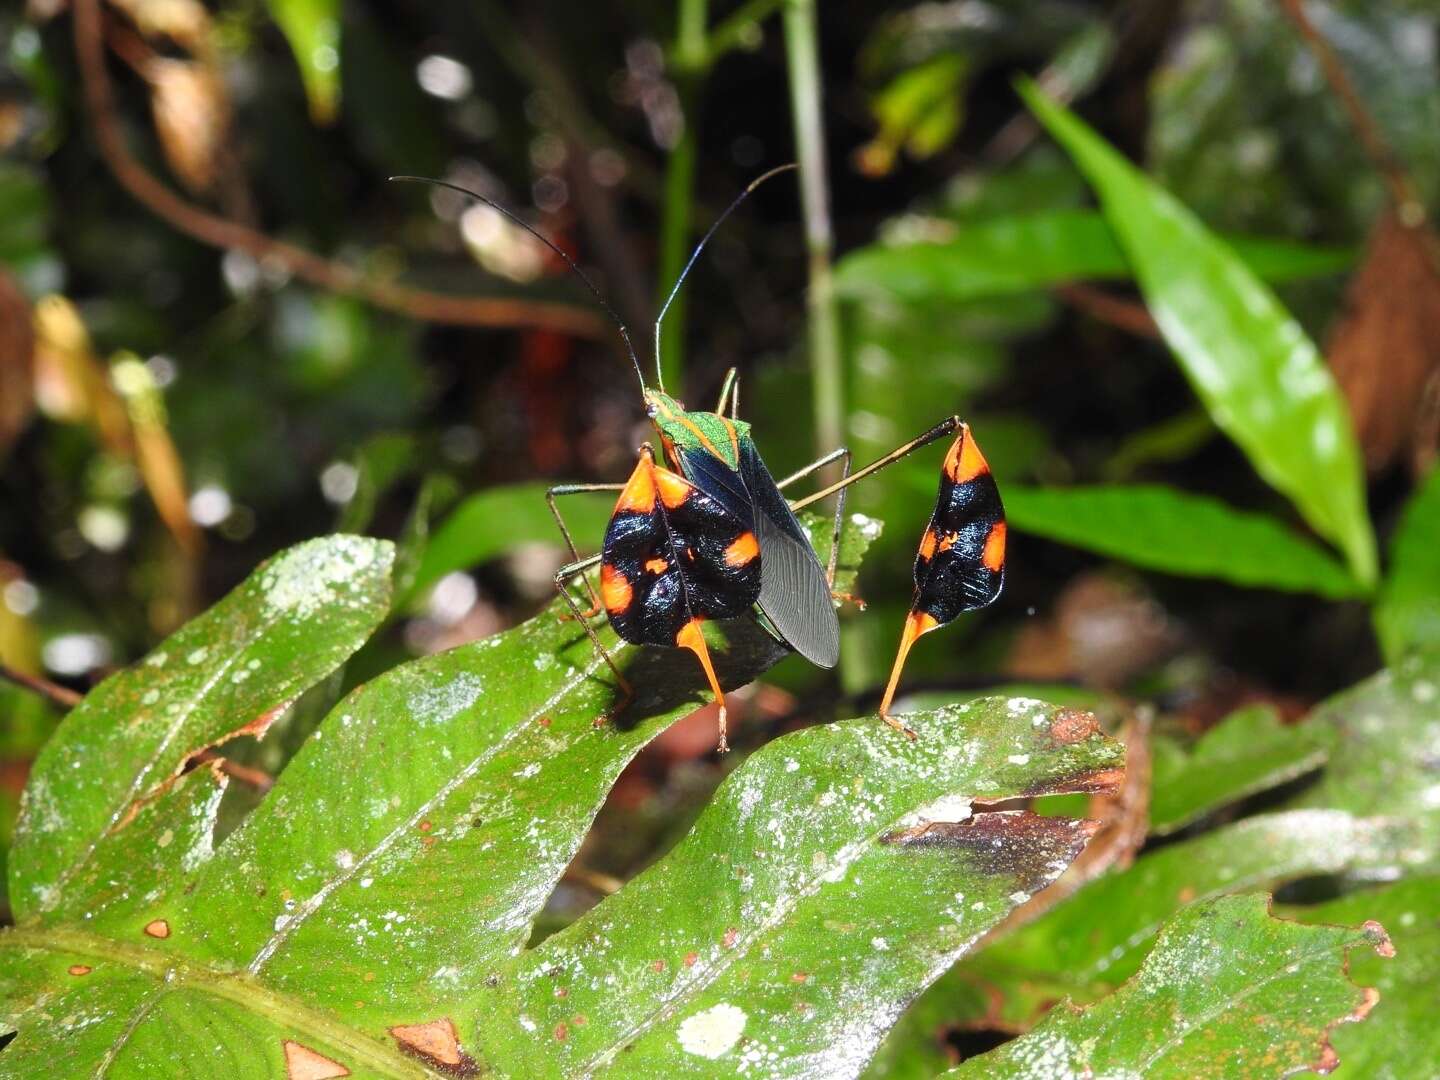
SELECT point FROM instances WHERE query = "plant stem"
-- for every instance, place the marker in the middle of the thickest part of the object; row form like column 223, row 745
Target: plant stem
column 689, row 60
column 803, row 53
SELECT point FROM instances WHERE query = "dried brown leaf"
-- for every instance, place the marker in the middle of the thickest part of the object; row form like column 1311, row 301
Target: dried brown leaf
column 17, row 362
column 192, row 118
column 1385, row 348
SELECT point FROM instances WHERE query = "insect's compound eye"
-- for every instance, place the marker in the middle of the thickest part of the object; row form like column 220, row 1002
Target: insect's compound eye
column 651, row 409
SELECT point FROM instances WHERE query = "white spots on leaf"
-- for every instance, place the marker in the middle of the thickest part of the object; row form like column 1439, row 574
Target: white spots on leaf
column 157, row 659
column 945, row 808
column 526, row 1022
column 1423, row 691
column 309, row 577
column 197, row 656
column 1019, row 897
column 879, row 944
column 436, row 704
column 1019, row 759
column 150, row 697
column 366, row 882
column 528, row 771
column 713, row 1032
column 345, row 859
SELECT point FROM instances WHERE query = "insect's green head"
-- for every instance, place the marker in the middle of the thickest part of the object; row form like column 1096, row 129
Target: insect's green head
column 681, row 430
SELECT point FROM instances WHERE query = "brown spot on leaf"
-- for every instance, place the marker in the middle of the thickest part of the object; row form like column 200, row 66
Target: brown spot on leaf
column 1069, row 726
column 579, row 1020
column 544, row 721
column 690, row 959
column 562, row 1031
column 1376, row 933
column 79, row 969
column 561, row 992
column 425, row 826
column 436, row 1042
column 1017, row 844
column 158, row 928
column 1186, row 894
column 731, row 936
column 657, row 965
column 799, row 976
column 302, row 1063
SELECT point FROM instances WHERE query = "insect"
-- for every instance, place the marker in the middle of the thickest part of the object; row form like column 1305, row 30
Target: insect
column 705, row 532
column 961, row 562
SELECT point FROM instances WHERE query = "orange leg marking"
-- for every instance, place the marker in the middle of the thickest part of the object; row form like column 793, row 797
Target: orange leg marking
column 994, row 554
column 916, row 623
column 964, row 461
column 691, row 638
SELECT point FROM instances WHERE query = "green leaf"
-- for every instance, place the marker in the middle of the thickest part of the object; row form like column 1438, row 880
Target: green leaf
column 1383, row 763
column 380, row 462
column 312, row 27
column 1015, row 254
column 1407, row 613
column 393, row 874
column 500, row 519
column 1400, row 1037
column 1249, row 751
column 1161, row 528
column 1228, row 991
column 830, row 879
column 1249, row 361
column 104, row 817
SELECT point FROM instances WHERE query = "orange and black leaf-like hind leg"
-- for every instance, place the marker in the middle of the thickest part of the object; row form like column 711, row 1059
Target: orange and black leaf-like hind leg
column 673, row 558
column 961, row 562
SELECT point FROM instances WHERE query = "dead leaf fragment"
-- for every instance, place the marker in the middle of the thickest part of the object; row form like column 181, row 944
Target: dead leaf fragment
column 17, row 362
column 302, row 1063
column 1385, row 347
column 437, row 1042
column 192, row 118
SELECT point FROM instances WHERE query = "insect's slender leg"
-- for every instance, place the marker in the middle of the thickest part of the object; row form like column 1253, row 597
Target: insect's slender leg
column 562, row 577
column 691, row 638
column 575, row 489
column 948, row 426
column 730, row 384
column 842, row 455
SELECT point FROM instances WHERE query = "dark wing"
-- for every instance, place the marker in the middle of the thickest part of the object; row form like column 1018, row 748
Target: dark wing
column 961, row 564
column 673, row 554
column 794, row 594
column 722, row 483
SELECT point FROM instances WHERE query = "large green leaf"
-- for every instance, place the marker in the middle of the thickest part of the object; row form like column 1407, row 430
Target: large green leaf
column 312, row 27
column 1250, row 362
column 107, row 805
column 1164, row 529
column 1400, row 1039
column 497, row 520
column 1227, row 992
column 1385, row 761
column 1249, row 751
column 1021, row 253
column 829, row 880
column 1407, row 613
column 1372, row 814
column 374, row 910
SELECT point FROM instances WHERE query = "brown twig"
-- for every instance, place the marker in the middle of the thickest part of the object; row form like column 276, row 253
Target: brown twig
column 60, row 696
column 225, row 234
column 1125, row 314
column 1403, row 195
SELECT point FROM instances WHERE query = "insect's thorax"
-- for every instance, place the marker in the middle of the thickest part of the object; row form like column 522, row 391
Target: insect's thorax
column 681, row 431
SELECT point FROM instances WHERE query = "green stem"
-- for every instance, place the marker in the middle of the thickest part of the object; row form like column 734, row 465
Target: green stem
column 803, row 52
column 741, row 29
column 689, row 61
column 827, row 376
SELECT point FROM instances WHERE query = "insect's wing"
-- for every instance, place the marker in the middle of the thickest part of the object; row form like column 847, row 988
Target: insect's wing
column 673, row 554
column 794, row 594
column 961, row 564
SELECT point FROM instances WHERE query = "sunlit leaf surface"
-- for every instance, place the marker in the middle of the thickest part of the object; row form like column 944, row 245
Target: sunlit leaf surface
column 1262, row 379
column 1165, row 529
column 1228, row 991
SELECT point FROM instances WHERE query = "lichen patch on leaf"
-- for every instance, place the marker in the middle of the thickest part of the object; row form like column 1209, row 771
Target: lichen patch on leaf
column 713, row 1032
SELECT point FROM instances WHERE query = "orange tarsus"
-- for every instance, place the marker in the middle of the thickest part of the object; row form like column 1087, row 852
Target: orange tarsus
column 916, row 623
column 691, row 638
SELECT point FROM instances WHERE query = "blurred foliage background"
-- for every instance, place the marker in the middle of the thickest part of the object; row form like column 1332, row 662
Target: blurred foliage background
column 222, row 330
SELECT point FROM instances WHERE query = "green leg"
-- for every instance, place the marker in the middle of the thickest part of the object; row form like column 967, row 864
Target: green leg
column 576, row 489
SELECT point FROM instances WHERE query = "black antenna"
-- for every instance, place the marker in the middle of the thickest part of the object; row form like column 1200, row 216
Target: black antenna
column 659, row 381
column 624, row 332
